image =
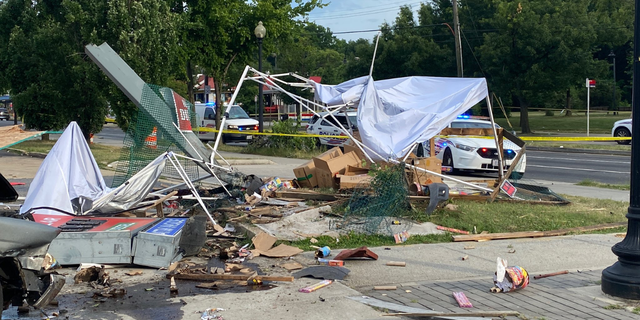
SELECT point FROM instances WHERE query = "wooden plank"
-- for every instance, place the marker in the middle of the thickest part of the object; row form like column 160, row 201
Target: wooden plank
column 308, row 195
column 535, row 234
column 385, row 288
column 397, row 264
column 498, row 236
column 242, row 277
column 477, row 314
column 432, row 147
column 562, row 232
column 158, row 204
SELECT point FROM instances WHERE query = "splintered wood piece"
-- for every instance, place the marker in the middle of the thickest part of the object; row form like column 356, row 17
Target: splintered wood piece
column 173, row 288
column 397, row 264
column 385, row 288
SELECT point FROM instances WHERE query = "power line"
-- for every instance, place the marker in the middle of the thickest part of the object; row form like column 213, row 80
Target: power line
column 362, row 13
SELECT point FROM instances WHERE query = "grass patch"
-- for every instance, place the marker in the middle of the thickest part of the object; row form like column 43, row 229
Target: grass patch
column 355, row 240
column 102, row 153
column 591, row 146
column 577, row 122
column 613, row 307
column 636, row 310
column 494, row 218
column 591, row 183
column 514, row 217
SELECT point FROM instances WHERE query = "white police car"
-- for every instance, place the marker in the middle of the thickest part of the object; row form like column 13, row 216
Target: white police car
column 329, row 127
column 622, row 128
column 473, row 153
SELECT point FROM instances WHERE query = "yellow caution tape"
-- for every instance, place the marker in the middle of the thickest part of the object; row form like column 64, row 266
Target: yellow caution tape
column 550, row 138
column 256, row 133
column 306, row 135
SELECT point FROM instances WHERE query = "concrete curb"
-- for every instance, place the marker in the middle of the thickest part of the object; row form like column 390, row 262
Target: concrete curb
column 589, row 151
column 245, row 162
column 28, row 154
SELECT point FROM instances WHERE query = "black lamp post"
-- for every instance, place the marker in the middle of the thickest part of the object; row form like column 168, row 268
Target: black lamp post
column 260, row 32
column 622, row 279
column 613, row 99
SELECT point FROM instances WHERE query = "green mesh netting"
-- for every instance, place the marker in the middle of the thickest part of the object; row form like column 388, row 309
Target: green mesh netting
column 157, row 110
column 379, row 208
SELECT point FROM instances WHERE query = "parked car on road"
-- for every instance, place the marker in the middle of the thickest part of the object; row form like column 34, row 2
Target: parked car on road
column 4, row 114
column 329, row 127
column 622, row 128
column 473, row 153
column 238, row 120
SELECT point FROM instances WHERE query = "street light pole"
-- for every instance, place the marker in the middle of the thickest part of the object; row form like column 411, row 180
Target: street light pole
column 613, row 98
column 622, row 279
column 260, row 32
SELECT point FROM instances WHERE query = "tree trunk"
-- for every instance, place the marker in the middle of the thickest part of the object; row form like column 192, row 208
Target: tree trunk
column 567, row 106
column 524, row 115
column 190, row 84
column 217, row 84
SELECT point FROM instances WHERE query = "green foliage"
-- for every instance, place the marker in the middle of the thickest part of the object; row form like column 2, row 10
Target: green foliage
column 288, row 126
column 51, row 80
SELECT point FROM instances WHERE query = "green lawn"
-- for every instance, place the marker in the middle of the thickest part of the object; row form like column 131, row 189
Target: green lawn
column 494, row 217
column 598, row 122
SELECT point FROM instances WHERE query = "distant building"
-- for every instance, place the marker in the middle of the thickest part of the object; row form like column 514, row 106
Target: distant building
column 199, row 91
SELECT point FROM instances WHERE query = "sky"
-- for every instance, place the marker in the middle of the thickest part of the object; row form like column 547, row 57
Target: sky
column 357, row 15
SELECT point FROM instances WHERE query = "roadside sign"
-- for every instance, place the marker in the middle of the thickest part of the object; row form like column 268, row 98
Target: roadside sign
column 591, row 83
column 508, row 188
column 207, row 89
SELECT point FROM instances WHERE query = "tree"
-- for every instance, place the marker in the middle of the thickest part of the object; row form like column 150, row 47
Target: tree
column 222, row 32
column 539, row 46
column 53, row 82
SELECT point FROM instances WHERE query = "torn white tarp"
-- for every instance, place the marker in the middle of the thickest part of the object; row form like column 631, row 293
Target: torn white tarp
column 394, row 114
column 69, row 176
column 134, row 190
column 69, row 180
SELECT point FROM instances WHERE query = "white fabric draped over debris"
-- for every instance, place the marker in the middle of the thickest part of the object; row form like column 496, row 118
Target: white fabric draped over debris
column 70, row 180
column 69, row 172
column 394, row 114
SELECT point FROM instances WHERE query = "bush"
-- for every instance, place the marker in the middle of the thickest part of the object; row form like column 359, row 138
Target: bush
column 288, row 126
column 549, row 113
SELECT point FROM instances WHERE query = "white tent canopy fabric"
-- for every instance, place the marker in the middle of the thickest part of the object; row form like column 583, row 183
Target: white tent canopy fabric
column 69, row 172
column 394, row 114
column 70, row 180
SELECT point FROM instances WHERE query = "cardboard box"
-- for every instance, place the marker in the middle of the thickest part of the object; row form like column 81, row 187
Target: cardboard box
column 351, row 147
column 432, row 164
column 306, row 175
column 327, row 169
column 354, row 181
column 353, row 171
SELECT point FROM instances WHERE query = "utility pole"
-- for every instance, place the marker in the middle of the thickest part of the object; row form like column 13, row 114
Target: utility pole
column 456, row 28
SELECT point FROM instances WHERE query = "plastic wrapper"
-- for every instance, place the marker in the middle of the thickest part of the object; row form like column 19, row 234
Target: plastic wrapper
column 515, row 278
column 212, row 314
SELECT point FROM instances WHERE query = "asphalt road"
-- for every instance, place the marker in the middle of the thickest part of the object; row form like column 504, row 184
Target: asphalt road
column 576, row 167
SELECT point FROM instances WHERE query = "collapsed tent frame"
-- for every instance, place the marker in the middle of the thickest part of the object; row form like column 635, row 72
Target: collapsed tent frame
column 273, row 81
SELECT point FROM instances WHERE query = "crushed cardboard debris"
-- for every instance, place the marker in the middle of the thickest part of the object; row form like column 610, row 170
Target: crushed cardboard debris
column 264, row 242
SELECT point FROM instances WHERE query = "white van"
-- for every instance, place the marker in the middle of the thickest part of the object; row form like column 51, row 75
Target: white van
column 236, row 120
